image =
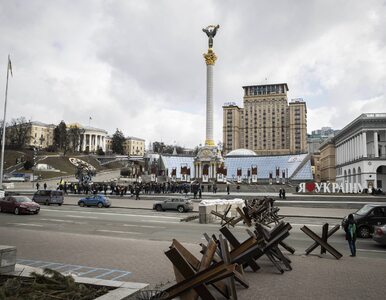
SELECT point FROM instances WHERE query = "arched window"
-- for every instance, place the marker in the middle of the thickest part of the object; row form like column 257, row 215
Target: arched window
column 359, row 175
column 354, row 176
column 349, row 176
column 345, row 176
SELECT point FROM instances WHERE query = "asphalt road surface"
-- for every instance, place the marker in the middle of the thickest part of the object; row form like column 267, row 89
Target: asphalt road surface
column 138, row 225
column 129, row 244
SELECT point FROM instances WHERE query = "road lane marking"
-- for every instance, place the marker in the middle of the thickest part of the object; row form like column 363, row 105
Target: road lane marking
column 63, row 221
column 157, row 221
column 87, row 217
column 26, row 224
column 110, row 214
column 144, row 226
column 117, row 231
column 368, row 250
column 309, row 225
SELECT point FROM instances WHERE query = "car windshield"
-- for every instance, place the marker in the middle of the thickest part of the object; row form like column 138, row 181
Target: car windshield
column 23, row 199
column 364, row 210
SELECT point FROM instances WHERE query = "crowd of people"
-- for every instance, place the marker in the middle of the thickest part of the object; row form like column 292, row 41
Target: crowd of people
column 137, row 188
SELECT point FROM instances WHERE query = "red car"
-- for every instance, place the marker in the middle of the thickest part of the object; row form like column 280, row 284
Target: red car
column 19, row 205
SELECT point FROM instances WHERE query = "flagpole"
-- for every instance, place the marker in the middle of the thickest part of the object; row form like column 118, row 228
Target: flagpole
column 3, row 137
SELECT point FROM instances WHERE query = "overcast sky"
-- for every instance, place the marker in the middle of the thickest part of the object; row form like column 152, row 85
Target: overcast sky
column 138, row 65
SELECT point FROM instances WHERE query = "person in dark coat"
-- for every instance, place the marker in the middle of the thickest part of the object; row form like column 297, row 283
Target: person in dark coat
column 283, row 193
column 228, row 189
column 280, row 193
column 351, row 234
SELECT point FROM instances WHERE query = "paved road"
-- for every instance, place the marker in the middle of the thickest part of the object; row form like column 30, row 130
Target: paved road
column 116, row 240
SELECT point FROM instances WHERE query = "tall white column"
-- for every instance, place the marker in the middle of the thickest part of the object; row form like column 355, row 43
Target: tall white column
column 364, row 145
column 89, row 142
column 360, row 147
column 210, row 59
column 209, row 104
column 376, row 144
column 355, row 147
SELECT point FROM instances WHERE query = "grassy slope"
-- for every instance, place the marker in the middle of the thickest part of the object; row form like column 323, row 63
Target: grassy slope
column 61, row 163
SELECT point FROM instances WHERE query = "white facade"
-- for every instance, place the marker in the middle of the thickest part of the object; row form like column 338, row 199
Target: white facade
column 361, row 152
column 92, row 139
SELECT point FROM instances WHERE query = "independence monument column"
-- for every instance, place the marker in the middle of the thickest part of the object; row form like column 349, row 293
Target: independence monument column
column 210, row 58
column 209, row 159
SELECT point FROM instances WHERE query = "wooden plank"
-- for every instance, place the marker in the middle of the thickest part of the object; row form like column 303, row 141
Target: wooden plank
column 227, row 260
column 324, row 237
column 188, row 273
column 242, row 214
column 230, row 237
column 210, row 275
column 190, row 258
column 316, row 245
column 317, row 239
column 287, row 247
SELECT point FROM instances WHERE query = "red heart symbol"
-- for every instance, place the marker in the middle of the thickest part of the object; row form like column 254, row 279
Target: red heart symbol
column 310, row 186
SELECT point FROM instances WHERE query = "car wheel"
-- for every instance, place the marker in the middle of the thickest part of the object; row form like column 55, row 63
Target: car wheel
column 100, row 204
column 47, row 203
column 16, row 211
column 364, row 232
column 158, row 208
column 60, row 204
column 181, row 209
column 0, row 208
column 81, row 204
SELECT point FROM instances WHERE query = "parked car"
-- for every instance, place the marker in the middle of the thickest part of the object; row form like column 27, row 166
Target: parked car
column 48, row 197
column 380, row 234
column 367, row 217
column 19, row 205
column 95, row 200
column 179, row 204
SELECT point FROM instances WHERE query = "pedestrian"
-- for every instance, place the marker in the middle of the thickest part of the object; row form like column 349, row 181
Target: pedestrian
column 228, row 189
column 351, row 234
column 37, row 185
column 45, row 186
column 283, row 193
column 280, row 193
column 199, row 193
column 214, row 189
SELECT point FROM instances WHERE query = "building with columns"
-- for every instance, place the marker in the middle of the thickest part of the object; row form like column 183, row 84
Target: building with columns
column 361, row 151
column 92, row 139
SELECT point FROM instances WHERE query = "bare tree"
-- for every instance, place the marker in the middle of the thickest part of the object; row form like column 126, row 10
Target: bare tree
column 18, row 132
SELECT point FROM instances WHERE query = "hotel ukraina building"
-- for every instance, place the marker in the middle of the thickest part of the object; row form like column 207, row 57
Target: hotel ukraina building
column 267, row 124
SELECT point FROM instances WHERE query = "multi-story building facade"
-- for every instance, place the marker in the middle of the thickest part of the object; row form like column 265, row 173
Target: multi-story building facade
column 30, row 134
column 134, row 146
column 267, row 124
column 317, row 137
column 232, row 126
column 361, row 151
column 327, row 161
column 40, row 135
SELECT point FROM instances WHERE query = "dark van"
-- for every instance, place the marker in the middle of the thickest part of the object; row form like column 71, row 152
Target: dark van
column 48, row 197
column 367, row 217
